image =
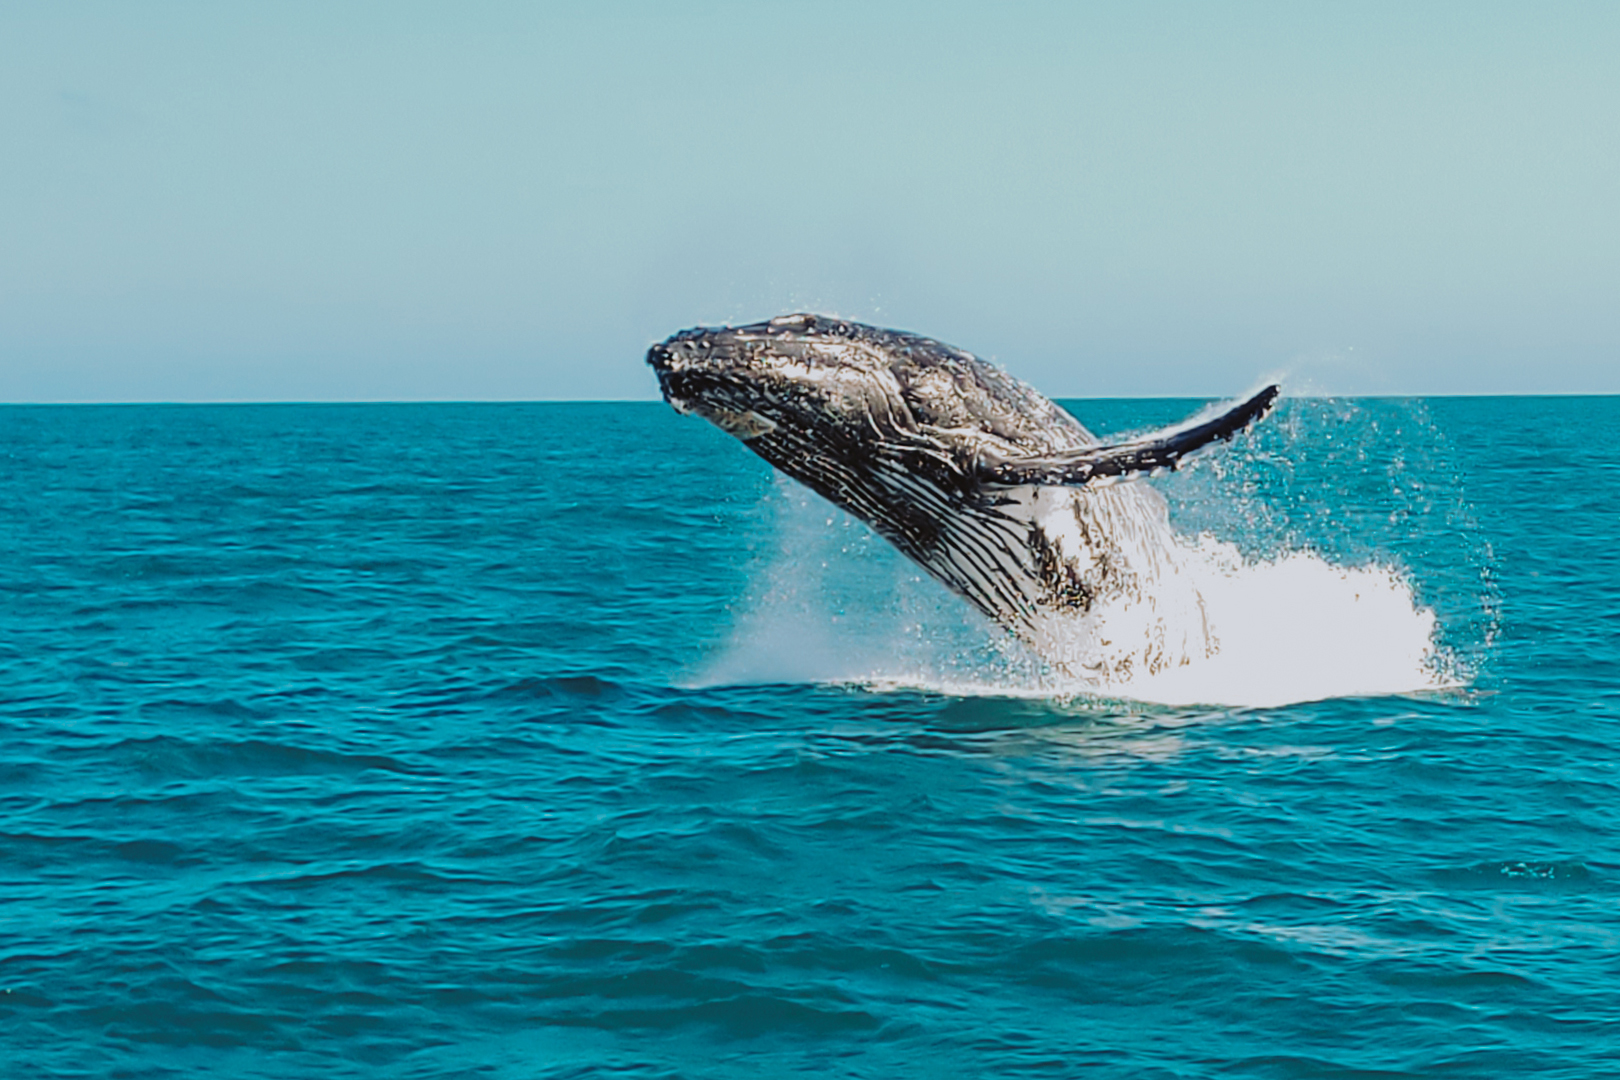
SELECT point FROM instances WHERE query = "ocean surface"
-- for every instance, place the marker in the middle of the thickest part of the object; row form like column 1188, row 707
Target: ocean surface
column 551, row 740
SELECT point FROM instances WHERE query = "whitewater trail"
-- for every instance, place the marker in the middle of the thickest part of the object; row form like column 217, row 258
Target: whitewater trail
column 830, row 602
column 1297, row 628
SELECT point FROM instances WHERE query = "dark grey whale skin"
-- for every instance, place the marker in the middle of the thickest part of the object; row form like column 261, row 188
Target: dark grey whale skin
column 941, row 453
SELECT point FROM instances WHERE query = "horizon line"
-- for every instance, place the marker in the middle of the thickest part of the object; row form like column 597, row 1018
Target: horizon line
column 659, row 401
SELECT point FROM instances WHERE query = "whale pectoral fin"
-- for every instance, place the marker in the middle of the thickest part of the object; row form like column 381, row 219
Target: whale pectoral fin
column 1106, row 464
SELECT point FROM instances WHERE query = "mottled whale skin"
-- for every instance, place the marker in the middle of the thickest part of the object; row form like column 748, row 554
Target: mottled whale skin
column 983, row 482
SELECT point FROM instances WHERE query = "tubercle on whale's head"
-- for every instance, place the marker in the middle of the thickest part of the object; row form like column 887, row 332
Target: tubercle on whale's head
column 798, row 371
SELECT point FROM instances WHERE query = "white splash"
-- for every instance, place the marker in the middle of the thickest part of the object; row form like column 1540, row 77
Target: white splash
column 1297, row 628
column 833, row 603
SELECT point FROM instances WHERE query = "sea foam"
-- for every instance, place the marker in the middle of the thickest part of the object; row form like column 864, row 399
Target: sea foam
column 1278, row 608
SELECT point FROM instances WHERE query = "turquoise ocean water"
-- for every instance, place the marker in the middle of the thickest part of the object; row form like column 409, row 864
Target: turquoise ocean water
column 564, row 741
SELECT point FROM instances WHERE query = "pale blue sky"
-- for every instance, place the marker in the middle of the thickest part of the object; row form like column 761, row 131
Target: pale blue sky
column 288, row 201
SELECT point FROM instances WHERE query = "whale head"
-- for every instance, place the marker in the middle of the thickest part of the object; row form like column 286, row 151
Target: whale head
column 796, row 375
column 854, row 390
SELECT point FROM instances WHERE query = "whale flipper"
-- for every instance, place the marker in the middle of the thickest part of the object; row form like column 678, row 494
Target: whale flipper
column 1106, row 464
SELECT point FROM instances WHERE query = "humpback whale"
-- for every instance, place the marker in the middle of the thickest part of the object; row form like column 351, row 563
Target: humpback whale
column 987, row 485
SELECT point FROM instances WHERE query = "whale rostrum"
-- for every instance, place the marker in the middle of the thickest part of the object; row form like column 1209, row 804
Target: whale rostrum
column 986, row 484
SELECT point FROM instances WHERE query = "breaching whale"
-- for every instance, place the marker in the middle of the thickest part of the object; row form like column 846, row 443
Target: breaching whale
column 983, row 482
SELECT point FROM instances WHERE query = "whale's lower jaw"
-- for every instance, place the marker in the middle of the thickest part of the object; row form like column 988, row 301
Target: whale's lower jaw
column 743, row 424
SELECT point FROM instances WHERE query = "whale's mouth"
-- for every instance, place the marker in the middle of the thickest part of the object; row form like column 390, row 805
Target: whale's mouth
column 744, row 425
column 682, row 386
column 701, row 393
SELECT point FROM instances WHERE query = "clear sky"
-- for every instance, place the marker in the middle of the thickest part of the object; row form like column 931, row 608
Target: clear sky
column 295, row 201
